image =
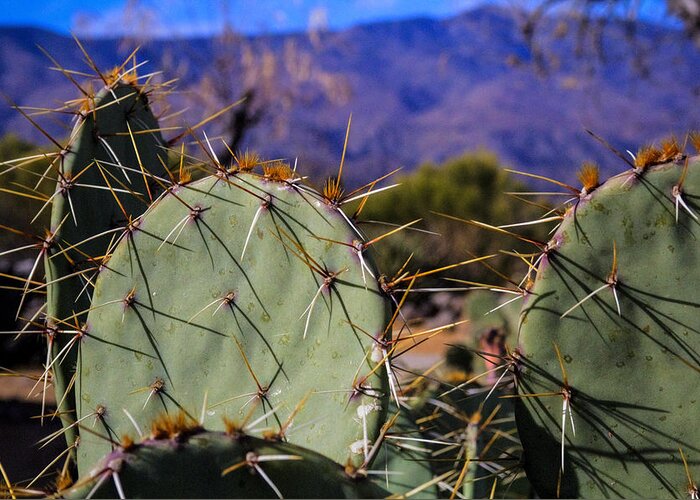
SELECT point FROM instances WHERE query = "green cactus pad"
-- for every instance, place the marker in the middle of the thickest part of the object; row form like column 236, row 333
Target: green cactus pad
column 486, row 311
column 631, row 378
column 216, row 465
column 479, row 422
column 92, row 174
column 205, row 304
column 403, row 464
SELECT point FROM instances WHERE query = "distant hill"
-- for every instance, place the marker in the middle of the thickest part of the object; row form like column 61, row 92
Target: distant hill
column 424, row 90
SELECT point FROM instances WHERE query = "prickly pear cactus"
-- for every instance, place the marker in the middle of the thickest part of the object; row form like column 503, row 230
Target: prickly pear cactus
column 487, row 311
column 481, row 427
column 403, row 463
column 103, row 179
column 205, row 464
column 609, row 376
column 235, row 294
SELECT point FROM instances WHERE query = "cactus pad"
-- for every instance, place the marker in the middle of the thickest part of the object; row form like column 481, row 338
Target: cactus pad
column 217, row 465
column 610, row 342
column 103, row 177
column 233, row 294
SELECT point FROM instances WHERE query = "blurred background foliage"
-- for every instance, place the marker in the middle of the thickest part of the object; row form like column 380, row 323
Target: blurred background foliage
column 19, row 202
column 470, row 187
column 16, row 213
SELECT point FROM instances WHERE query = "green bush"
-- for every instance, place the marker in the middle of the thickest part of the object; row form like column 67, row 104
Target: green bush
column 16, row 179
column 466, row 187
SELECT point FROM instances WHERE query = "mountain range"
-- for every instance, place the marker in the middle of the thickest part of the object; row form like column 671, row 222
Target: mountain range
column 418, row 90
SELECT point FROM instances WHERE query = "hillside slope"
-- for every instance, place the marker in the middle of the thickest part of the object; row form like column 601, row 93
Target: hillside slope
column 424, row 90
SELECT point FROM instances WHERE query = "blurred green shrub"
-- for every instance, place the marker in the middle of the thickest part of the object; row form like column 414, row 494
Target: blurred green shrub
column 19, row 201
column 467, row 187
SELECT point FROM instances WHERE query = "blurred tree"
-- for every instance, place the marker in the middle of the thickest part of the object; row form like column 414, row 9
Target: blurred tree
column 468, row 187
column 586, row 21
column 688, row 11
column 253, row 71
column 267, row 83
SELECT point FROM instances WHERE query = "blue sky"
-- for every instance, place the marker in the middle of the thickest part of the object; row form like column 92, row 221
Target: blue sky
column 193, row 17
